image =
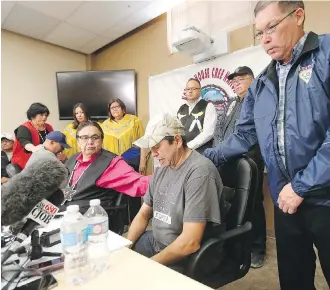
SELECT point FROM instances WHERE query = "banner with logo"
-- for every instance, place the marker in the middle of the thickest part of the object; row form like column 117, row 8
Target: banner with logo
column 166, row 91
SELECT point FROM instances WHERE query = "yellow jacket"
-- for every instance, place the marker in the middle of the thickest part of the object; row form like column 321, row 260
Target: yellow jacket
column 70, row 134
column 119, row 136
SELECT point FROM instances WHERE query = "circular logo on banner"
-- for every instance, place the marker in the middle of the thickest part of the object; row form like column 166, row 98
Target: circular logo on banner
column 216, row 95
column 216, row 88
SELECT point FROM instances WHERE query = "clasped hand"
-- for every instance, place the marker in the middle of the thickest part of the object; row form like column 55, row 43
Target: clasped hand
column 288, row 200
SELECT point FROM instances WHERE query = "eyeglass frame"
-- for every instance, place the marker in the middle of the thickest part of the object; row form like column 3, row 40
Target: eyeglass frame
column 93, row 138
column 241, row 79
column 115, row 108
column 272, row 29
column 191, row 89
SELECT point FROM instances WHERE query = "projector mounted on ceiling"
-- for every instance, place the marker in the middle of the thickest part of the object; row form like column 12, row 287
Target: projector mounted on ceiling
column 202, row 47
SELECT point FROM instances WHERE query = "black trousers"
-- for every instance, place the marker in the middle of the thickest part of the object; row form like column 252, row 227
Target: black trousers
column 259, row 218
column 295, row 236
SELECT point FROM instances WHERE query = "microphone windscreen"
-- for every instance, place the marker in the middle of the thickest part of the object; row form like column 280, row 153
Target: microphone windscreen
column 24, row 190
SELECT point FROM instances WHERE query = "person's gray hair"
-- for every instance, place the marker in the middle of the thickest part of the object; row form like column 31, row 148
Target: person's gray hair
column 285, row 6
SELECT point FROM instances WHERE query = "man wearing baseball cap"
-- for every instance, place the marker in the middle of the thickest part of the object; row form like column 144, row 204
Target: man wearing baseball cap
column 242, row 78
column 184, row 197
column 54, row 144
column 7, row 143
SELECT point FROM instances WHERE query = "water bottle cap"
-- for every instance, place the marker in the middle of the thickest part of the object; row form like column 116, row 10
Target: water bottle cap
column 94, row 202
column 72, row 208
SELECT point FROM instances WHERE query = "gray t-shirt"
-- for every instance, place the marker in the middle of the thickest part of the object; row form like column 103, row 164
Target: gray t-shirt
column 42, row 154
column 190, row 193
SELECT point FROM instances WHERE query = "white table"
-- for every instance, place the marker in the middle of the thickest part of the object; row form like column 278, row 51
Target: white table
column 129, row 270
column 115, row 242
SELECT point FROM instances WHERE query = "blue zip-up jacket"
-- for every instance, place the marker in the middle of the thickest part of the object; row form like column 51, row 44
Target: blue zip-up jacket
column 307, row 125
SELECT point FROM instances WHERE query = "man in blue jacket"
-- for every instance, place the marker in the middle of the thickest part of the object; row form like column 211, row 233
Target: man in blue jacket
column 287, row 111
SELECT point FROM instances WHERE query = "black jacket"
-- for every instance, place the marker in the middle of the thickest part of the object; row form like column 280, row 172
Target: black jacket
column 4, row 162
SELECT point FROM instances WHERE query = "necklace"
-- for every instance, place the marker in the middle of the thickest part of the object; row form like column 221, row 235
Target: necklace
column 42, row 138
column 69, row 191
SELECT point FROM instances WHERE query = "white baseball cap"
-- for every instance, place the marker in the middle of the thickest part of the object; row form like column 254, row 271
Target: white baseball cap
column 158, row 128
column 7, row 136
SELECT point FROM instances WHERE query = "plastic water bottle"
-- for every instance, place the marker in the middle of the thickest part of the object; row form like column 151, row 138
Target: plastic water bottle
column 74, row 243
column 97, row 231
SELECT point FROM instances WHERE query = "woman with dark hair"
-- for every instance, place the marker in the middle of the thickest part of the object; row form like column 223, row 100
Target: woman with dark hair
column 31, row 135
column 80, row 115
column 121, row 130
column 96, row 173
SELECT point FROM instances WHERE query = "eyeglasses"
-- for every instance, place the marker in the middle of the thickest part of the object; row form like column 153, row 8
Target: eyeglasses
column 85, row 138
column 115, row 107
column 272, row 28
column 239, row 80
column 191, row 89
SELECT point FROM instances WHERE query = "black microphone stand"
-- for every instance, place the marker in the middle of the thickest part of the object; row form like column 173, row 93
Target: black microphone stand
column 36, row 252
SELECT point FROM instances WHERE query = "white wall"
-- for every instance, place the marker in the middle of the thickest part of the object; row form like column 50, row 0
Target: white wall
column 28, row 70
column 211, row 17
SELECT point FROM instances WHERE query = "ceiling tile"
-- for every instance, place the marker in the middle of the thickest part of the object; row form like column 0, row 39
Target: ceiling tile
column 106, row 14
column 57, row 9
column 69, row 36
column 5, row 9
column 142, row 16
column 94, row 45
column 29, row 22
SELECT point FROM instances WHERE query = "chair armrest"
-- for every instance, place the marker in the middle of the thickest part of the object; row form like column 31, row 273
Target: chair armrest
column 237, row 232
column 211, row 253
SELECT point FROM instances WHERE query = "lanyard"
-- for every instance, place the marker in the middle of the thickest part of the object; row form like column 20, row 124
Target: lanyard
column 71, row 176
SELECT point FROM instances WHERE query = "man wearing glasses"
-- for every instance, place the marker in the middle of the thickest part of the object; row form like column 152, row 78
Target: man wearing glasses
column 96, row 173
column 198, row 117
column 287, row 111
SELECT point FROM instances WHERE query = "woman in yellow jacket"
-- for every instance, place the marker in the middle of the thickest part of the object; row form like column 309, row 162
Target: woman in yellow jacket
column 121, row 130
column 80, row 115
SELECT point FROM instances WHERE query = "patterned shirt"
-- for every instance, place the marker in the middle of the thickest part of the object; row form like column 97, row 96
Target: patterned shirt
column 282, row 73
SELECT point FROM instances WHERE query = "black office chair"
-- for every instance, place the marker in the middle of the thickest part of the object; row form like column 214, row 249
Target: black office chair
column 118, row 215
column 227, row 257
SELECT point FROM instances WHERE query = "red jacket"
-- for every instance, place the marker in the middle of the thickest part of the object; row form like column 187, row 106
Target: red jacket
column 20, row 156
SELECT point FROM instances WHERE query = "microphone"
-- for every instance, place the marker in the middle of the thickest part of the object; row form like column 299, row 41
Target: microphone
column 33, row 193
column 24, row 190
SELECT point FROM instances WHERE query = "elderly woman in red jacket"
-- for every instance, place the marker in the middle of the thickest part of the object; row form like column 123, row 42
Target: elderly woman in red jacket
column 31, row 135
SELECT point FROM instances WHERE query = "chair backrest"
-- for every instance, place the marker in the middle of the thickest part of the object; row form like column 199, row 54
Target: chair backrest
column 240, row 179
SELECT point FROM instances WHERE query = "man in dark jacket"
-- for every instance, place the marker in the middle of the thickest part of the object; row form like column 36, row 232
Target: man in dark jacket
column 7, row 143
column 242, row 77
column 286, row 111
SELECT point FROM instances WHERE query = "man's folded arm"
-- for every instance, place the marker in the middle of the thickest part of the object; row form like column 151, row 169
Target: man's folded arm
column 188, row 242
